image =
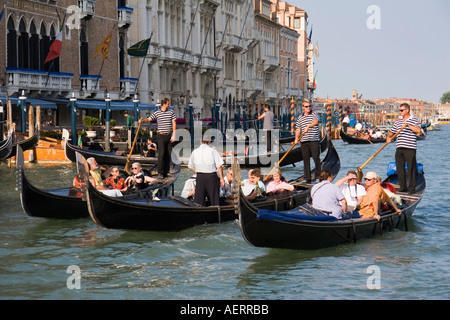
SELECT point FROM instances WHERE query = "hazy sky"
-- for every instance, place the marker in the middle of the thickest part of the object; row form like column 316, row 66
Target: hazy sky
column 407, row 57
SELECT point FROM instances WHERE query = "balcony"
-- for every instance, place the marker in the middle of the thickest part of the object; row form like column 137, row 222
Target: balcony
column 125, row 16
column 40, row 82
column 270, row 63
column 127, row 87
column 230, row 42
column 173, row 56
column 90, row 85
column 87, row 8
column 207, row 63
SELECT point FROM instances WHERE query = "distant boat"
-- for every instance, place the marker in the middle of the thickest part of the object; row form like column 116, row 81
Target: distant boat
column 350, row 139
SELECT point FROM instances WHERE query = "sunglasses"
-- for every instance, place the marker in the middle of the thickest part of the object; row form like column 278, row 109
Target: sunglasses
column 401, row 110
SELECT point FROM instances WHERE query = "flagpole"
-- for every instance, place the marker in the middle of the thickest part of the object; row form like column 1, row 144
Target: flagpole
column 48, row 72
column 142, row 66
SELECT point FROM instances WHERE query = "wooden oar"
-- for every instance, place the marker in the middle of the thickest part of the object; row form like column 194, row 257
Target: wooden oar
column 128, row 164
column 359, row 170
column 282, row 158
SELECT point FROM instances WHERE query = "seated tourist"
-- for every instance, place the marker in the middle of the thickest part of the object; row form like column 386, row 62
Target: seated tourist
column 370, row 205
column 327, row 197
column 278, row 184
column 115, row 181
column 248, row 185
column 352, row 190
column 226, row 191
column 96, row 180
column 260, row 188
column 139, row 179
column 188, row 191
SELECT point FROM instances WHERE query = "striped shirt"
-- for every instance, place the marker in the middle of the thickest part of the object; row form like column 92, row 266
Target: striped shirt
column 164, row 120
column 407, row 138
column 305, row 120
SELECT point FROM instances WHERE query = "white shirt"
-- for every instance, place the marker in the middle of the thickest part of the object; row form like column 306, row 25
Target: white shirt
column 247, row 187
column 205, row 159
column 352, row 192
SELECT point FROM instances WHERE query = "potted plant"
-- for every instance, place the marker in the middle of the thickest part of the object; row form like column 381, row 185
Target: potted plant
column 90, row 123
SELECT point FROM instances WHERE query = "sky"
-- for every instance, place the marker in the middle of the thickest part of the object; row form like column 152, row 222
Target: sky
column 405, row 53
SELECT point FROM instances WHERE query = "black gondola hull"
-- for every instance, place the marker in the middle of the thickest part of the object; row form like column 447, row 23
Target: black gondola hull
column 172, row 215
column 311, row 234
column 355, row 140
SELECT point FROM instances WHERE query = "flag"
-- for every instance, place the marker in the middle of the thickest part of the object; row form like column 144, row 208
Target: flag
column 139, row 49
column 1, row 14
column 310, row 35
column 315, row 81
column 104, row 47
column 80, row 141
column 55, row 48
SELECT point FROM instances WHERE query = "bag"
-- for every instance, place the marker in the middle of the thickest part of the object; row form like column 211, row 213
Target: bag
column 392, row 168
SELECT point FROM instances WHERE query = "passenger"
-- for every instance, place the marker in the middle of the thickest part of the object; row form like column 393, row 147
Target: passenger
column 96, row 180
column 248, row 185
column 188, row 191
column 352, row 190
column 226, row 191
column 115, row 181
column 151, row 148
column 139, row 179
column 259, row 187
column 370, row 203
column 278, row 184
column 327, row 196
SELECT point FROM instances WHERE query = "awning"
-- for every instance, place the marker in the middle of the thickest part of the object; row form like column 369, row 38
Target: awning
column 35, row 102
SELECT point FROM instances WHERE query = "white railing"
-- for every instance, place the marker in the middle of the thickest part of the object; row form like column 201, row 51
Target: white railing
column 19, row 78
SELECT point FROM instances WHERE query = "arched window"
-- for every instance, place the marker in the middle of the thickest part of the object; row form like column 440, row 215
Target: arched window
column 44, row 45
column 23, row 49
column 84, row 53
column 34, row 47
column 12, row 44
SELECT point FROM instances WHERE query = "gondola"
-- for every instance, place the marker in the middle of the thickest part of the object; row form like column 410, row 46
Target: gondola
column 302, row 229
column 356, row 140
column 106, row 158
column 25, row 144
column 175, row 213
column 248, row 161
column 66, row 203
column 6, row 146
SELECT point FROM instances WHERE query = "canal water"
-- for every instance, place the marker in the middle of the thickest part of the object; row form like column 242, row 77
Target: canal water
column 39, row 257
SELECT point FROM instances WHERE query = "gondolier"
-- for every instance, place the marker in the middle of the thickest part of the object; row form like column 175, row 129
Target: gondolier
column 167, row 126
column 308, row 123
column 207, row 163
column 406, row 147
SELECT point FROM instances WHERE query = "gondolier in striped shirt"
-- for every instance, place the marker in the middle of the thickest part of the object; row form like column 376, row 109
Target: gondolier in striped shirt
column 167, row 126
column 406, row 147
column 308, row 123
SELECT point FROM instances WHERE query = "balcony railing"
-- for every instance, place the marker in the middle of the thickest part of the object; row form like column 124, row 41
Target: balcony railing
column 128, row 87
column 26, row 79
column 87, row 8
column 90, row 84
column 125, row 16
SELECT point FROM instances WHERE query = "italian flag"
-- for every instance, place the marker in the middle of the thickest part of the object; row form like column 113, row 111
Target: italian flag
column 55, row 48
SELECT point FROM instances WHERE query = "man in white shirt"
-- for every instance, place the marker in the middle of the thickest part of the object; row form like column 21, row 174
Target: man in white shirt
column 352, row 191
column 207, row 163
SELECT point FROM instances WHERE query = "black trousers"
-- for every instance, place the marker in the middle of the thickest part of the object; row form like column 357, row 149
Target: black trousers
column 311, row 149
column 345, row 126
column 207, row 184
column 408, row 156
column 164, row 153
column 268, row 134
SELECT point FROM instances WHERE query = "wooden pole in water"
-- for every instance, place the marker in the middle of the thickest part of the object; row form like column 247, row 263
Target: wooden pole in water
column 31, row 156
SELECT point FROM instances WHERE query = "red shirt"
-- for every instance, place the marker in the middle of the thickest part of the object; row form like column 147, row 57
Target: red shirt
column 116, row 185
